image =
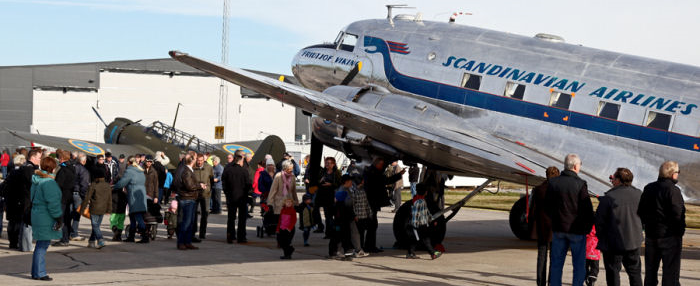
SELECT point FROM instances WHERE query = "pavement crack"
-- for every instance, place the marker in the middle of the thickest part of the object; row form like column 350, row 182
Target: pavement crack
column 66, row 254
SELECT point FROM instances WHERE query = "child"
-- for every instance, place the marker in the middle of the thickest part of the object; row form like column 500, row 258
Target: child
column 306, row 220
column 285, row 228
column 343, row 215
column 592, row 258
column 419, row 224
column 171, row 218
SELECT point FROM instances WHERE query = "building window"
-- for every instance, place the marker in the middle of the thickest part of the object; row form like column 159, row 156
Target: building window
column 559, row 99
column 514, row 90
column 608, row 110
column 471, row 81
column 658, row 120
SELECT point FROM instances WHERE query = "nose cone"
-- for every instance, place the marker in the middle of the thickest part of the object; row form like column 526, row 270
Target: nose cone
column 112, row 130
column 313, row 66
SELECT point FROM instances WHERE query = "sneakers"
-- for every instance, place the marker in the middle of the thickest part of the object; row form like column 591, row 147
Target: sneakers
column 435, row 255
column 100, row 244
column 77, row 238
column 361, row 253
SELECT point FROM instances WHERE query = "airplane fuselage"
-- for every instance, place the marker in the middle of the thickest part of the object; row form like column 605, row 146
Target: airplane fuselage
column 612, row 109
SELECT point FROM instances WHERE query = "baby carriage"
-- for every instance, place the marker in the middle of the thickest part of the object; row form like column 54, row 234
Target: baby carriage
column 269, row 221
column 171, row 218
column 152, row 218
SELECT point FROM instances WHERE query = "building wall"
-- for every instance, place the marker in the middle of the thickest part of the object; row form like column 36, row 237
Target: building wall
column 154, row 97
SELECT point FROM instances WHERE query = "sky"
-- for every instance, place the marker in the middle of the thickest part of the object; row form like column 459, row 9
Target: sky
column 265, row 35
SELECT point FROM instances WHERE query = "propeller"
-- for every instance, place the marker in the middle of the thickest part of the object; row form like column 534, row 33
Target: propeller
column 352, row 74
column 100, row 117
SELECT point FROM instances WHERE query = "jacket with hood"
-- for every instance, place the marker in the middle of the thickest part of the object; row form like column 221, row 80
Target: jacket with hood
column 135, row 183
column 46, row 206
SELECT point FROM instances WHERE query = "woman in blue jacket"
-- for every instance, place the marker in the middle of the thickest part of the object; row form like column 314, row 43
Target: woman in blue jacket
column 135, row 182
column 46, row 212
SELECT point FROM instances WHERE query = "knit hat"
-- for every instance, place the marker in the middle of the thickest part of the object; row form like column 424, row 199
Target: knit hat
column 99, row 171
column 341, row 196
column 269, row 162
column 305, row 197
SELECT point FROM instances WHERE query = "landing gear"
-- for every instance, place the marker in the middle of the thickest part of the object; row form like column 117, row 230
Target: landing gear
column 402, row 228
column 518, row 222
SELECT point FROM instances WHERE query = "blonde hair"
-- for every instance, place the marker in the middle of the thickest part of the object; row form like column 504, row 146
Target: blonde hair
column 667, row 169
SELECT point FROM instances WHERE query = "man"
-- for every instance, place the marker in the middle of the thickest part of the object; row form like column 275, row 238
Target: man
column 619, row 229
column 188, row 191
column 375, row 188
column 119, row 199
column 237, row 185
column 203, row 174
column 229, row 159
column 397, row 186
column 413, row 174
column 542, row 225
column 216, row 187
column 82, row 183
column 159, row 165
column 113, row 171
column 28, row 169
column 662, row 211
column 571, row 211
column 122, row 168
column 66, row 181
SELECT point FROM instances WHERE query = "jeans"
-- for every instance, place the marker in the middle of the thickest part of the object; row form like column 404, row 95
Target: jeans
column 25, row 238
column 542, row 249
column 216, row 200
column 613, row 264
column 77, row 201
column 96, row 220
column 136, row 219
column 307, row 232
column 203, row 205
column 186, row 208
column 4, row 172
column 561, row 242
column 668, row 250
column 39, row 258
column 413, row 188
column 160, row 196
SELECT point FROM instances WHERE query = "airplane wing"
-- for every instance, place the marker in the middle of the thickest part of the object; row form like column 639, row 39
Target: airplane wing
column 89, row 147
column 272, row 145
column 475, row 154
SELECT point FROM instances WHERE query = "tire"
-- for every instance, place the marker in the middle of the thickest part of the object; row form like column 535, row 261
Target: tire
column 401, row 227
column 517, row 220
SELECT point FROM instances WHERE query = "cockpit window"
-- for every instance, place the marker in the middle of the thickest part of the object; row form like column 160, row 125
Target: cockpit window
column 346, row 41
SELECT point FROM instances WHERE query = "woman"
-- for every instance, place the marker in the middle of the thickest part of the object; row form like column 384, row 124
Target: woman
column 46, row 213
column 135, row 182
column 265, row 180
column 15, row 202
column 283, row 188
column 329, row 182
column 99, row 198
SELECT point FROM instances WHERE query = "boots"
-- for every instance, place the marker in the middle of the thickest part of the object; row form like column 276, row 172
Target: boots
column 119, row 235
column 145, row 236
column 114, row 233
column 131, row 237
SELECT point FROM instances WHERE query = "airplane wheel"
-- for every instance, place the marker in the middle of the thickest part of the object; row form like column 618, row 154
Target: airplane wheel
column 518, row 223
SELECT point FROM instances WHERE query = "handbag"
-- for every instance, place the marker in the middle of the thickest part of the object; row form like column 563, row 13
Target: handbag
column 84, row 212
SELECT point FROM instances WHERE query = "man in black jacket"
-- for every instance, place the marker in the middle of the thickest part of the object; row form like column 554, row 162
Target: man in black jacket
column 378, row 197
column 571, row 211
column 662, row 211
column 82, row 182
column 237, row 185
column 619, row 229
column 66, row 181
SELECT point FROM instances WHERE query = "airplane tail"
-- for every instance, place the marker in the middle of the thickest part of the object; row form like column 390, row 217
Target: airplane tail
column 272, row 145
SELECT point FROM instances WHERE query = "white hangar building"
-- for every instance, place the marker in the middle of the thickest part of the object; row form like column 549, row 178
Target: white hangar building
column 57, row 99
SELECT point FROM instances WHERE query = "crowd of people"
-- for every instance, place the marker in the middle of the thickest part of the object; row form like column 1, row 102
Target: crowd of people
column 45, row 197
column 565, row 220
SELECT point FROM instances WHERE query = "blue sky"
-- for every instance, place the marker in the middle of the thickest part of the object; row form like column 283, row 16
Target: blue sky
column 265, row 35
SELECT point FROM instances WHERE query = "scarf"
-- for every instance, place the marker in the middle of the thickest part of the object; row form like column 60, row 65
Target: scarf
column 417, row 197
column 287, row 180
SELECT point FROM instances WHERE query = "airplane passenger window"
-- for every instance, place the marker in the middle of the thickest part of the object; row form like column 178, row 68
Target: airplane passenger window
column 471, row 81
column 658, row 120
column 348, row 42
column 561, row 100
column 608, row 110
column 514, row 90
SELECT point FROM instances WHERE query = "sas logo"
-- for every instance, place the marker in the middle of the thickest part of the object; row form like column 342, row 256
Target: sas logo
column 86, row 147
column 231, row 148
column 399, row 48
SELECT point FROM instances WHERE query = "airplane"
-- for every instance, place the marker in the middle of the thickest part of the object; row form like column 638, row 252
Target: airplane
column 123, row 136
column 475, row 102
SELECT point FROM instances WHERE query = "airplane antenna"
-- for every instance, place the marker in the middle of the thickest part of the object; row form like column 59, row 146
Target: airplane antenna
column 397, row 6
column 223, row 88
column 177, row 110
column 98, row 116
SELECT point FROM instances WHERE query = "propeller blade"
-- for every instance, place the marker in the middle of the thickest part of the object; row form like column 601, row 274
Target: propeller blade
column 351, row 75
column 100, row 117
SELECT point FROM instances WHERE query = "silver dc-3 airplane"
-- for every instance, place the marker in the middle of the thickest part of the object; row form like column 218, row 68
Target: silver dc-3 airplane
column 476, row 102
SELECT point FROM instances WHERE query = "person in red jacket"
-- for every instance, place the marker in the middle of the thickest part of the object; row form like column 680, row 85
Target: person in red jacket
column 4, row 160
column 592, row 257
column 285, row 228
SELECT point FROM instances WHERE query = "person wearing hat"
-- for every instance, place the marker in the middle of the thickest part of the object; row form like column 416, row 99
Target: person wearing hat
column 306, row 220
column 99, row 202
column 151, row 179
column 112, row 166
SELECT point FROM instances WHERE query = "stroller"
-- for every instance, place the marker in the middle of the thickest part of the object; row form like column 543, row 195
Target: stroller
column 152, row 218
column 269, row 221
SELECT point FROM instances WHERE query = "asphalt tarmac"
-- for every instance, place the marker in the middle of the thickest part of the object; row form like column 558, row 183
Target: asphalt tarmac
column 480, row 251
